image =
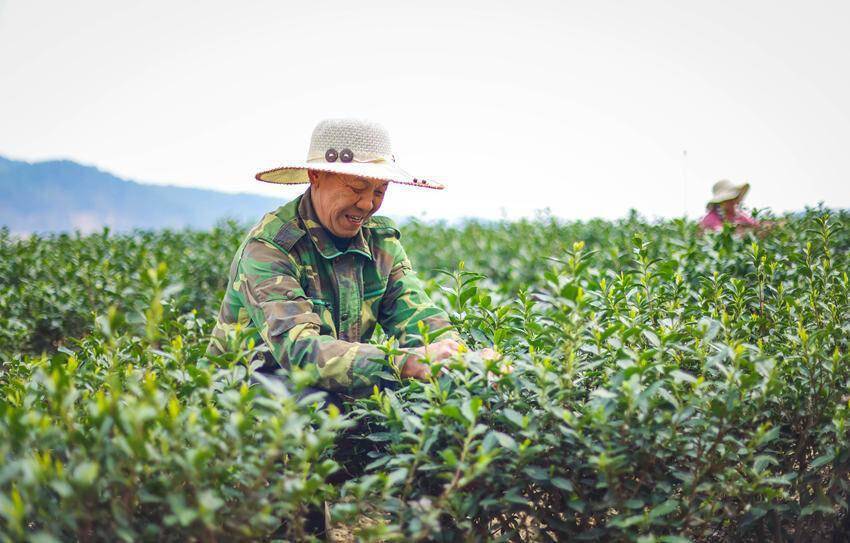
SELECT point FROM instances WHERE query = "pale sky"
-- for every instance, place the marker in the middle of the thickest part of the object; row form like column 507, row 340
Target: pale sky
column 582, row 107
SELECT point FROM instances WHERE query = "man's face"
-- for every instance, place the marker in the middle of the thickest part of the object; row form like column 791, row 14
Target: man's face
column 345, row 202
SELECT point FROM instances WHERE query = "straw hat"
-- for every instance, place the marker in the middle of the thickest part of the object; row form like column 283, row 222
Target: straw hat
column 724, row 190
column 349, row 146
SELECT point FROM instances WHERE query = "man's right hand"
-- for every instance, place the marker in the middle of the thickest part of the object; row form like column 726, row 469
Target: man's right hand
column 414, row 369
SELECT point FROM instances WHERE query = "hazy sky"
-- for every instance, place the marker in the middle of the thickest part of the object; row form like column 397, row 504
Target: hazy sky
column 581, row 107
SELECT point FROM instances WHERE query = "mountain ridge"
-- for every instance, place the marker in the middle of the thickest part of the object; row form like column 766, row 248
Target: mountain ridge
column 63, row 195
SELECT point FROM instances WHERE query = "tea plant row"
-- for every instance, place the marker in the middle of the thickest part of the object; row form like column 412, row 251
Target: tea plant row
column 654, row 385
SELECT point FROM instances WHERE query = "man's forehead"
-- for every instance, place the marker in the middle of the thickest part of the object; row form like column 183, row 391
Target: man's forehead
column 358, row 181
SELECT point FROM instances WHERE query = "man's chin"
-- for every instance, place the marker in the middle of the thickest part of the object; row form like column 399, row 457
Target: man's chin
column 348, row 232
column 347, row 228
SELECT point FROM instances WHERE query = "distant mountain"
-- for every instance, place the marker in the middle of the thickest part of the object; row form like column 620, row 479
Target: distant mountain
column 63, row 196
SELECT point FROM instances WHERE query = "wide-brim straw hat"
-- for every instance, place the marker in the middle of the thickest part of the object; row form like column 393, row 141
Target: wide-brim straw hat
column 350, row 146
column 725, row 190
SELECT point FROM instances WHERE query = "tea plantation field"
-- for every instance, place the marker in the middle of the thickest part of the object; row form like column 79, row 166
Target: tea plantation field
column 654, row 385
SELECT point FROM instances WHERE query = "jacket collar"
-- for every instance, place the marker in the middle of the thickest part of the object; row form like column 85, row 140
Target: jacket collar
column 320, row 236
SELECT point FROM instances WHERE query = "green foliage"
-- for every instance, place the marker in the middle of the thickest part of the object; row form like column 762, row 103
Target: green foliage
column 51, row 288
column 654, row 386
column 129, row 438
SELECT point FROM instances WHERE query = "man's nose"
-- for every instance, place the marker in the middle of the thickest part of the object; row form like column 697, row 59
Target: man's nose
column 364, row 203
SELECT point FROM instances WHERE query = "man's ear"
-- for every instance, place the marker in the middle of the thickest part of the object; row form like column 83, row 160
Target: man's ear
column 313, row 175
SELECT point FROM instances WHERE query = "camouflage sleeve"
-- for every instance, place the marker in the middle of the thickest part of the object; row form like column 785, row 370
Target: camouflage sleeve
column 405, row 303
column 283, row 314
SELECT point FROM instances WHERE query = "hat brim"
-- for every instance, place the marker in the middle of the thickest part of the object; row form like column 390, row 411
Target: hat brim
column 384, row 171
column 738, row 191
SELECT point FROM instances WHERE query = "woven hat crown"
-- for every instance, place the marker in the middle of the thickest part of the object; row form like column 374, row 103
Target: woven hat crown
column 351, row 147
column 723, row 186
column 368, row 141
column 725, row 190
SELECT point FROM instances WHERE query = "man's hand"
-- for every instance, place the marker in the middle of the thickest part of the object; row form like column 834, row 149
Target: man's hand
column 414, row 369
column 489, row 354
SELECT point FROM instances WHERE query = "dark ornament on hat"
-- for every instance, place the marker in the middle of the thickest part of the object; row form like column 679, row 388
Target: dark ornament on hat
column 331, row 155
column 346, row 155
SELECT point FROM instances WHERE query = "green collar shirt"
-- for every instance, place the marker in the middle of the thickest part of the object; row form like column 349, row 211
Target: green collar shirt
column 311, row 303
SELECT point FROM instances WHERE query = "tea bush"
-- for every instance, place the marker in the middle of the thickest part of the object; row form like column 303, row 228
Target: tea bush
column 134, row 436
column 51, row 287
column 655, row 385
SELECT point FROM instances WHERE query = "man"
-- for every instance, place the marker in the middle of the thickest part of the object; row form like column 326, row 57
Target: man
column 315, row 276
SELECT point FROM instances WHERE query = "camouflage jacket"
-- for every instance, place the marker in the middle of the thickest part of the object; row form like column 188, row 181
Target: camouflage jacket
column 312, row 304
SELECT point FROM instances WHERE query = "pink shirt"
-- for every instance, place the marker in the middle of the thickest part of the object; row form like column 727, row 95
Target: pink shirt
column 713, row 220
